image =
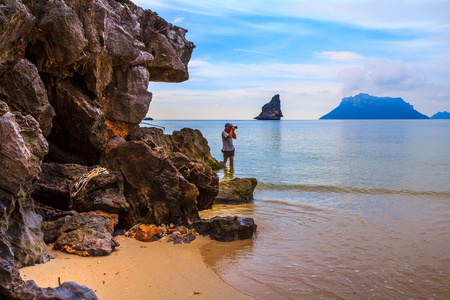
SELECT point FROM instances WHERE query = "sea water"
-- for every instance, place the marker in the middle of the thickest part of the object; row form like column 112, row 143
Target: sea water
column 354, row 209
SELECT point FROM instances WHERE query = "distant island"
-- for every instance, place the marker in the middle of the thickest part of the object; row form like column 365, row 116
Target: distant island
column 441, row 115
column 271, row 110
column 365, row 106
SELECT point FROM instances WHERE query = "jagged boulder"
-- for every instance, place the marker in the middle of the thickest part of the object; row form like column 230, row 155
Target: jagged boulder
column 53, row 184
column 16, row 24
column 204, row 178
column 67, row 290
column 236, row 191
column 22, row 148
column 103, row 192
column 271, row 110
column 129, row 84
column 187, row 141
column 86, row 234
column 226, row 229
column 156, row 191
column 49, row 213
column 25, row 92
column 20, row 226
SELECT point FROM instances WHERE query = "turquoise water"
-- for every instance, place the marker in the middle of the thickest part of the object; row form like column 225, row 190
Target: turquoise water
column 354, row 209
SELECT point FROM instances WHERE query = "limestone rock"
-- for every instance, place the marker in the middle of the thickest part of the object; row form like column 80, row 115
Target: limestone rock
column 156, row 191
column 226, row 229
column 54, row 182
column 236, row 191
column 87, row 234
column 103, row 192
column 16, row 24
column 20, row 226
column 79, row 125
column 49, row 213
column 22, row 150
column 177, row 238
column 271, row 110
column 67, row 290
column 129, row 89
column 25, row 92
column 204, row 178
column 21, row 241
column 96, row 59
column 187, row 141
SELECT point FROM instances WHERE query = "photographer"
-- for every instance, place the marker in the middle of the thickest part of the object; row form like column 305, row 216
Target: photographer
column 227, row 140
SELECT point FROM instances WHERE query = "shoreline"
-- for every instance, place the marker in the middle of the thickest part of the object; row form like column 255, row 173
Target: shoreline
column 138, row 270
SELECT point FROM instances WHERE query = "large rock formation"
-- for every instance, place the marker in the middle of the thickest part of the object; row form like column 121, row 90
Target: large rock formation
column 271, row 110
column 187, row 141
column 156, row 191
column 365, row 106
column 76, row 72
column 206, row 181
column 21, row 241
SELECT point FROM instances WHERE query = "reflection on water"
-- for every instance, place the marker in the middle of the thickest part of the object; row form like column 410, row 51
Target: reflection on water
column 308, row 252
column 228, row 173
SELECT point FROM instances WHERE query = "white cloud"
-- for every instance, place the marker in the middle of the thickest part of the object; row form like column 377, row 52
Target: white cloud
column 251, row 51
column 178, row 20
column 343, row 56
column 378, row 76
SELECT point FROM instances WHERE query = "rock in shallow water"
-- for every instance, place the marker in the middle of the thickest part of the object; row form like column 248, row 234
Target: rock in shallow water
column 226, row 229
column 236, row 191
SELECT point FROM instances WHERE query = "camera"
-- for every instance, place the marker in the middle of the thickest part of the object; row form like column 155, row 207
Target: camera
column 235, row 127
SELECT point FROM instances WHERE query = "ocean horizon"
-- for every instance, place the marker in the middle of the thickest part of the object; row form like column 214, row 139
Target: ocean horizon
column 346, row 209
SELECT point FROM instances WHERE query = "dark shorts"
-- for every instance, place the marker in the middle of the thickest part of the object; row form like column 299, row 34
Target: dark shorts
column 227, row 154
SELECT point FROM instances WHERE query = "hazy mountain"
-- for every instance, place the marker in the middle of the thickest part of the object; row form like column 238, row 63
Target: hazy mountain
column 441, row 115
column 365, row 106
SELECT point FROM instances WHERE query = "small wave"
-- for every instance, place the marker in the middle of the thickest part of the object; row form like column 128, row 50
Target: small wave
column 321, row 189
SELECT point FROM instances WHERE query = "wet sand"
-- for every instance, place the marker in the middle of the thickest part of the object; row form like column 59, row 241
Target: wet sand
column 138, row 270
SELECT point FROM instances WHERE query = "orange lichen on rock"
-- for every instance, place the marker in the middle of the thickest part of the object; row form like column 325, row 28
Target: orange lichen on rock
column 69, row 249
column 146, row 233
column 118, row 128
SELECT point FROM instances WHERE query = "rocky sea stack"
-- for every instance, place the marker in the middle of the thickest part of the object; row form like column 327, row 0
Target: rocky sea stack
column 365, row 106
column 271, row 110
column 74, row 164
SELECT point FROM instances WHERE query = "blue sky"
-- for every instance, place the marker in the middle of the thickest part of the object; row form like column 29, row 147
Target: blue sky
column 312, row 53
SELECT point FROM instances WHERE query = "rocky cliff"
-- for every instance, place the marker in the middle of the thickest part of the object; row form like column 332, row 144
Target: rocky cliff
column 73, row 83
column 364, row 106
column 271, row 110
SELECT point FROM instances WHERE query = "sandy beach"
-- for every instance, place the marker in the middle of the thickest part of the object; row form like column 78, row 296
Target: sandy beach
column 138, row 270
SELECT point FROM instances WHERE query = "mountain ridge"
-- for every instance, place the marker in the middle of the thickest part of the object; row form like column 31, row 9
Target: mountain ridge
column 365, row 106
